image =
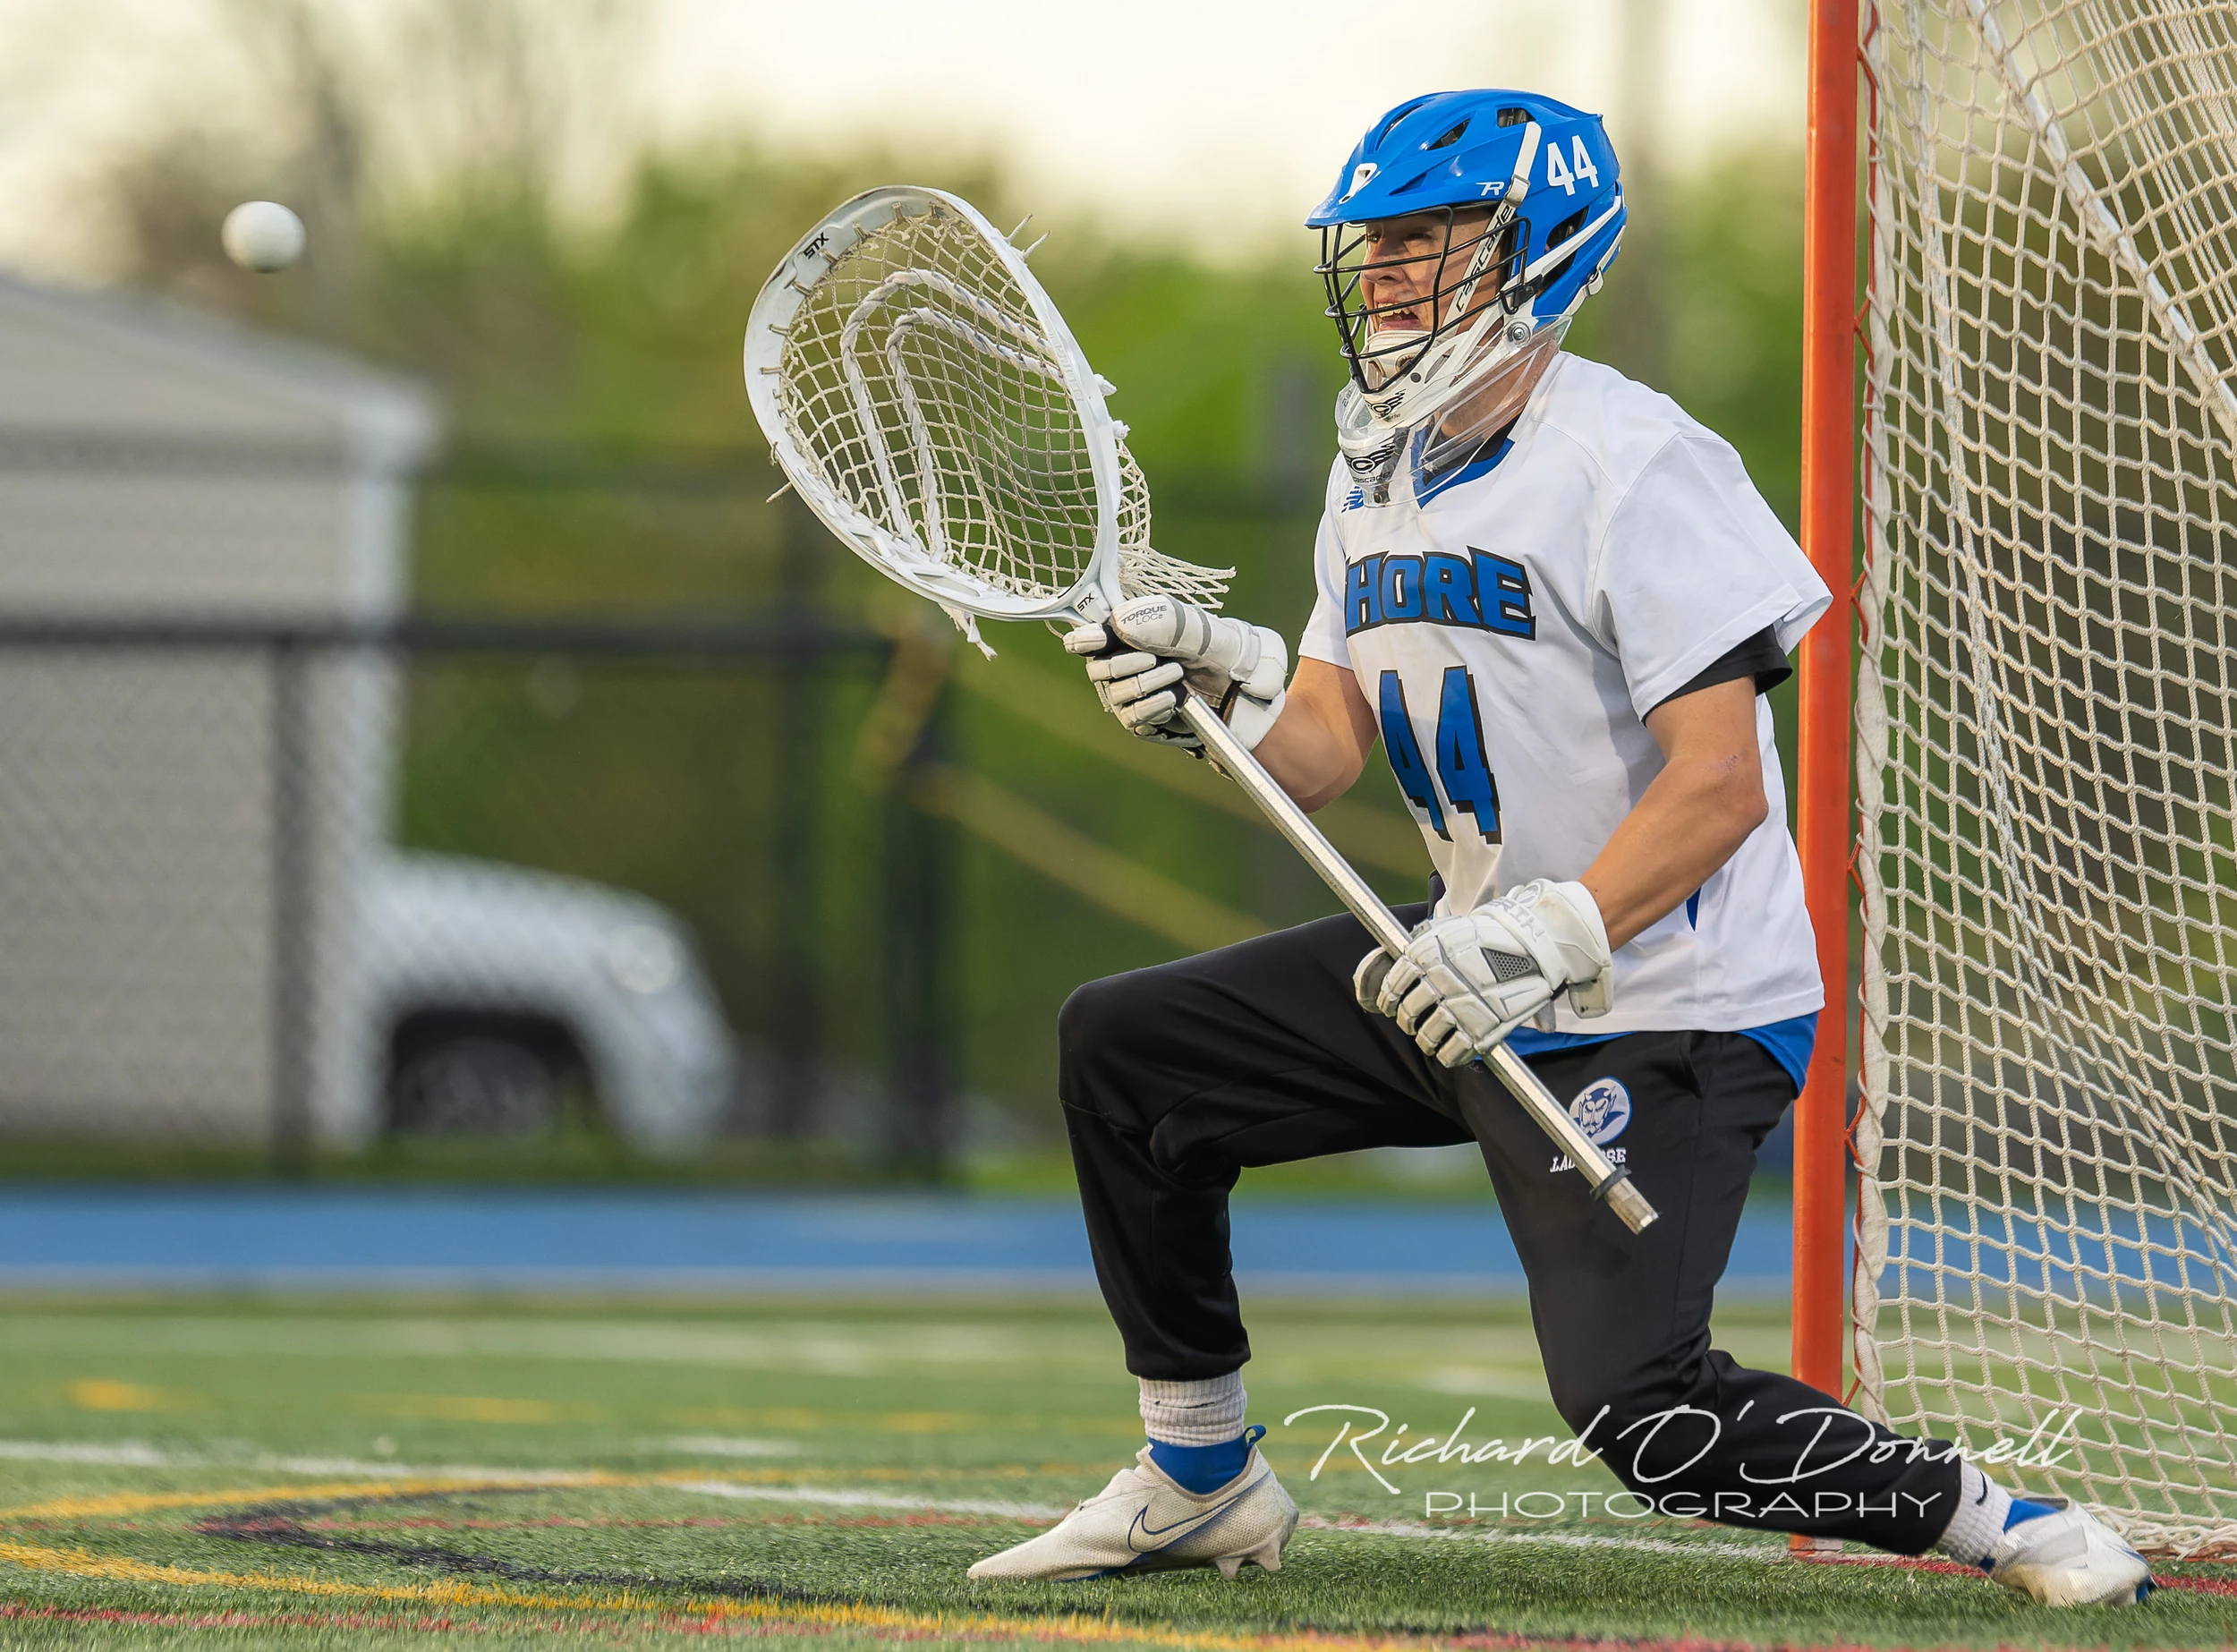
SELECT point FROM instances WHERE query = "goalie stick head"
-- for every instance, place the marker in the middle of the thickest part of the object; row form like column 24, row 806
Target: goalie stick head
column 923, row 396
column 1464, row 228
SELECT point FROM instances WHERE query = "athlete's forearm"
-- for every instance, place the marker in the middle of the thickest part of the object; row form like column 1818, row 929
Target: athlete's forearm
column 1692, row 817
column 1317, row 747
column 1689, row 822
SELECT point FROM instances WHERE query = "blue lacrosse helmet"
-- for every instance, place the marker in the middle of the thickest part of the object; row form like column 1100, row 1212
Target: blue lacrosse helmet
column 1547, row 175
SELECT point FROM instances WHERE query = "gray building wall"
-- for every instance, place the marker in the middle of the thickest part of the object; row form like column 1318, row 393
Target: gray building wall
column 154, row 465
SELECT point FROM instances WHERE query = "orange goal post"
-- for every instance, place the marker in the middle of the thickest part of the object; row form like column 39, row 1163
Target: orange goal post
column 2015, row 1203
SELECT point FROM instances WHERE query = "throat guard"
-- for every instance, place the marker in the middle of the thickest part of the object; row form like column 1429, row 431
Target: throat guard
column 1374, row 451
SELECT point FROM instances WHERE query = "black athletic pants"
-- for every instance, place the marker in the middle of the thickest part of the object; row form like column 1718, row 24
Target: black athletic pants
column 1176, row 1078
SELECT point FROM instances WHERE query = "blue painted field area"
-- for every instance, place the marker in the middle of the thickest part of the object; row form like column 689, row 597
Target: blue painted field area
column 2089, row 1251
column 373, row 1238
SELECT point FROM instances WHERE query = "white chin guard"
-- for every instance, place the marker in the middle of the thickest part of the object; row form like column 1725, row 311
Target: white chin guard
column 1391, row 350
column 1372, row 446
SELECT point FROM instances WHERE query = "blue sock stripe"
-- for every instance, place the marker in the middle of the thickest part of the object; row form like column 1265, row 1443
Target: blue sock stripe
column 1204, row 1468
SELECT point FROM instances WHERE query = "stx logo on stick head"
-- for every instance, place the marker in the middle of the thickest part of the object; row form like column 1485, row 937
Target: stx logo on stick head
column 1479, row 590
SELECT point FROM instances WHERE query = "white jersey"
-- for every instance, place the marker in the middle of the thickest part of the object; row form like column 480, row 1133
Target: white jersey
column 1512, row 628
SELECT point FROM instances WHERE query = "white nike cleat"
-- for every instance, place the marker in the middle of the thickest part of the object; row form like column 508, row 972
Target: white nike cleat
column 2069, row 1559
column 1144, row 1521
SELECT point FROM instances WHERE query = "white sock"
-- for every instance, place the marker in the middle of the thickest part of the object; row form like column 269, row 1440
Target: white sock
column 1209, row 1412
column 1979, row 1520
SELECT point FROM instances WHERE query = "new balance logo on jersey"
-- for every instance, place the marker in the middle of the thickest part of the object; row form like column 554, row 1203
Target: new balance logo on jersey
column 1479, row 590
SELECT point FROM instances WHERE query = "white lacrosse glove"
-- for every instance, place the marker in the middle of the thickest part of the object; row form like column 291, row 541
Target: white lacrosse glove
column 1463, row 983
column 1239, row 668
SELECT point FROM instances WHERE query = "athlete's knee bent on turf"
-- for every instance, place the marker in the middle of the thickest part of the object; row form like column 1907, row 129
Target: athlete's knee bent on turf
column 1556, row 601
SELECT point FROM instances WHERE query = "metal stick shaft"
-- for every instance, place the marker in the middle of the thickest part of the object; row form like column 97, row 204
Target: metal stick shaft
column 1606, row 1182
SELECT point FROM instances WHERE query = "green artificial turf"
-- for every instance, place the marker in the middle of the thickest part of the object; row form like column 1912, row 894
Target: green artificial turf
column 212, row 1471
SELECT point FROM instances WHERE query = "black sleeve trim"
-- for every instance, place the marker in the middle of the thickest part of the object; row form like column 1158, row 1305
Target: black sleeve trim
column 1759, row 656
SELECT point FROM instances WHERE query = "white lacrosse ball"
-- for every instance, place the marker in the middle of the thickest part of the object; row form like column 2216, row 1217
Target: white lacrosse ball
column 262, row 235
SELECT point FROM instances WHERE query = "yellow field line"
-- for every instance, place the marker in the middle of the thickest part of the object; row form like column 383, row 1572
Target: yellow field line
column 139, row 1502
column 1071, row 1628
column 84, row 1563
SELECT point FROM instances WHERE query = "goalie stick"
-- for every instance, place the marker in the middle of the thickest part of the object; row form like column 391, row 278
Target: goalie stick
column 923, row 396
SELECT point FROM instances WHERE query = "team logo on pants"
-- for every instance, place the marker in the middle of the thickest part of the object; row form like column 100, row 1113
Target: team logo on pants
column 1602, row 1109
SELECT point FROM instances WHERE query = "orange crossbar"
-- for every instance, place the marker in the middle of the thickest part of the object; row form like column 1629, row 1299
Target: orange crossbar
column 1822, row 827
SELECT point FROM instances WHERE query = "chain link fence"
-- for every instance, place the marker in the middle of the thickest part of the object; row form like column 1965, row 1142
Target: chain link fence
column 288, row 870
column 314, row 885
column 349, row 799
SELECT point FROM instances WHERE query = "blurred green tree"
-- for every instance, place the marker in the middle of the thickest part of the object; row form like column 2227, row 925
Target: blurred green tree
column 606, row 460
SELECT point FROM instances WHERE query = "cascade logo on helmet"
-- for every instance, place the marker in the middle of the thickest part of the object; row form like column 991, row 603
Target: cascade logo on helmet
column 1447, row 288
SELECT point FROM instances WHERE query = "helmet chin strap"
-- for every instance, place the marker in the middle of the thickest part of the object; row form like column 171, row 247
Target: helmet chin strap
column 1373, row 449
column 1393, row 350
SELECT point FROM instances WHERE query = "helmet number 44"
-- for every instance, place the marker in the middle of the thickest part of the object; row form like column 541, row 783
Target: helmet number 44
column 1563, row 175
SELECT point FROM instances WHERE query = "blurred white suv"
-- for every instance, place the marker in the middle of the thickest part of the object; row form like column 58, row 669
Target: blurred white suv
column 496, row 987
column 210, row 934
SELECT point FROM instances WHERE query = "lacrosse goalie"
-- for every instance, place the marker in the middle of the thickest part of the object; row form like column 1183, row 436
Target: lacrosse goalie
column 1558, row 602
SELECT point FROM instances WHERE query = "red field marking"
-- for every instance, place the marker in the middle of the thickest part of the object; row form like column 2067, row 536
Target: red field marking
column 565, row 1522
column 594, row 1522
column 22, row 1612
column 2196, row 1585
column 986, row 1629
column 609, row 1628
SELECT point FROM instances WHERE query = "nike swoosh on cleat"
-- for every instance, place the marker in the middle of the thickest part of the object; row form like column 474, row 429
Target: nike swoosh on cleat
column 1163, row 1534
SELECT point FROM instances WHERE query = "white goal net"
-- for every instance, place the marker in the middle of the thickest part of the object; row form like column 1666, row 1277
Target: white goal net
column 2047, row 1253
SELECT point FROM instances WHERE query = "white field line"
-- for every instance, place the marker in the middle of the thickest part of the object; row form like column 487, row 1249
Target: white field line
column 125, row 1453
column 846, row 1497
column 842, row 1497
column 404, row 1471
column 719, row 1445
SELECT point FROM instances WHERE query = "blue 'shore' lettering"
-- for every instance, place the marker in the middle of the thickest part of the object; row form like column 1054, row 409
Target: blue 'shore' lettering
column 1504, row 589
column 1448, row 592
column 1480, row 592
column 1361, row 609
column 1400, row 588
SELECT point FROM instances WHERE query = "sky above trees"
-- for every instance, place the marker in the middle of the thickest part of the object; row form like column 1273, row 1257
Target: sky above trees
column 1212, row 124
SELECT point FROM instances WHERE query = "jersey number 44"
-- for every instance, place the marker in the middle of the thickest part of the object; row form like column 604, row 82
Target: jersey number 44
column 1460, row 781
